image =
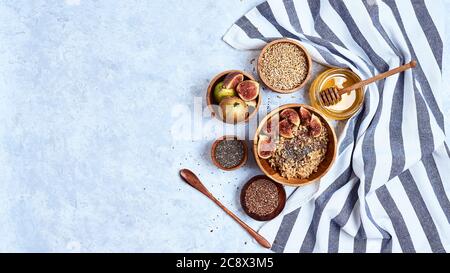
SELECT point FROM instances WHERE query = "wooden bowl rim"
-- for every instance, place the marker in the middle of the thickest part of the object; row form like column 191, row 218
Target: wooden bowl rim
column 308, row 57
column 281, row 199
column 210, row 102
column 277, row 110
column 213, row 149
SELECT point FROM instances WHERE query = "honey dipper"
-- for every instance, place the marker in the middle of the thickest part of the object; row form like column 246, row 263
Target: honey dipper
column 332, row 95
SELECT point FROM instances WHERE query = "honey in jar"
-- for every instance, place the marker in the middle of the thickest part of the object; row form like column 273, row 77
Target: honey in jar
column 337, row 77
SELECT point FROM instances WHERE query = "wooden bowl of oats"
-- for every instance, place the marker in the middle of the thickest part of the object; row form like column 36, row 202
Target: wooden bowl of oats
column 284, row 65
column 295, row 145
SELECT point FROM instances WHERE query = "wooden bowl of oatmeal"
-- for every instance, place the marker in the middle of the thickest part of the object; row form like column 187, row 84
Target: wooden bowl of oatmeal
column 284, row 65
column 291, row 148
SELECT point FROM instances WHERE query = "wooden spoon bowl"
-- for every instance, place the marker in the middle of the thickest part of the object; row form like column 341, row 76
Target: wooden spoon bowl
column 324, row 166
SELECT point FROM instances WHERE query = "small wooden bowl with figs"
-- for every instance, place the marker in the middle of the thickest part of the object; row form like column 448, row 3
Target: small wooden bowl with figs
column 233, row 96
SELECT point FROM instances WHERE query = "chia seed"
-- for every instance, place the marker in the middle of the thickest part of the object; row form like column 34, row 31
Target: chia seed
column 229, row 153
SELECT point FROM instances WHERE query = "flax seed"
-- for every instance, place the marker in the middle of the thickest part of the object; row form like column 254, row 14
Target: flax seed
column 261, row 197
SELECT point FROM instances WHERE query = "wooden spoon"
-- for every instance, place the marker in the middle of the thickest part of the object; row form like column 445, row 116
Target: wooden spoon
column 332, row 95
column 193, row 180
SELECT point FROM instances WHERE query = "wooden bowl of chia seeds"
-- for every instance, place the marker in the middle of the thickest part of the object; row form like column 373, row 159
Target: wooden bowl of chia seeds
column 262, row 198
column 284, row 65
column 229, row 153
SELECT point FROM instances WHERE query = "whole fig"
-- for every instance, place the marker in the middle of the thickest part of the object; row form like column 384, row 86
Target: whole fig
column 220, row 93
column 233, row 110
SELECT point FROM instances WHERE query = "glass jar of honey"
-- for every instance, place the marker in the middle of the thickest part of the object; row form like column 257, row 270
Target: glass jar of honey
column 337, row 77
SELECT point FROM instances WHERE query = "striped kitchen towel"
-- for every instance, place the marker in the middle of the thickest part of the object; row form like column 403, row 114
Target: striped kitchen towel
column 389, row 188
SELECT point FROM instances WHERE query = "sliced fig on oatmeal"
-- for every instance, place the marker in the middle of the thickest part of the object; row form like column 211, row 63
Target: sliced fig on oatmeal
column 305, row 115
column 270, row 128
column 286, row 129
column 266, row 147
column 315, row 126
column 291, row 115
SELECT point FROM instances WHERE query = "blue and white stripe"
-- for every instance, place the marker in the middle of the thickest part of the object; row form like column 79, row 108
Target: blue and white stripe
column 389, row 189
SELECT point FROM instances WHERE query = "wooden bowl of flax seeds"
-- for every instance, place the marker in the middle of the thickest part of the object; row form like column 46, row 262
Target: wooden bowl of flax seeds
column 262, row 198
column 284, row 66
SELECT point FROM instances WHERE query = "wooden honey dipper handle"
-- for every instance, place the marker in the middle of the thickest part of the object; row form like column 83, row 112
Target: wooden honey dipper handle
column 378, row 77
